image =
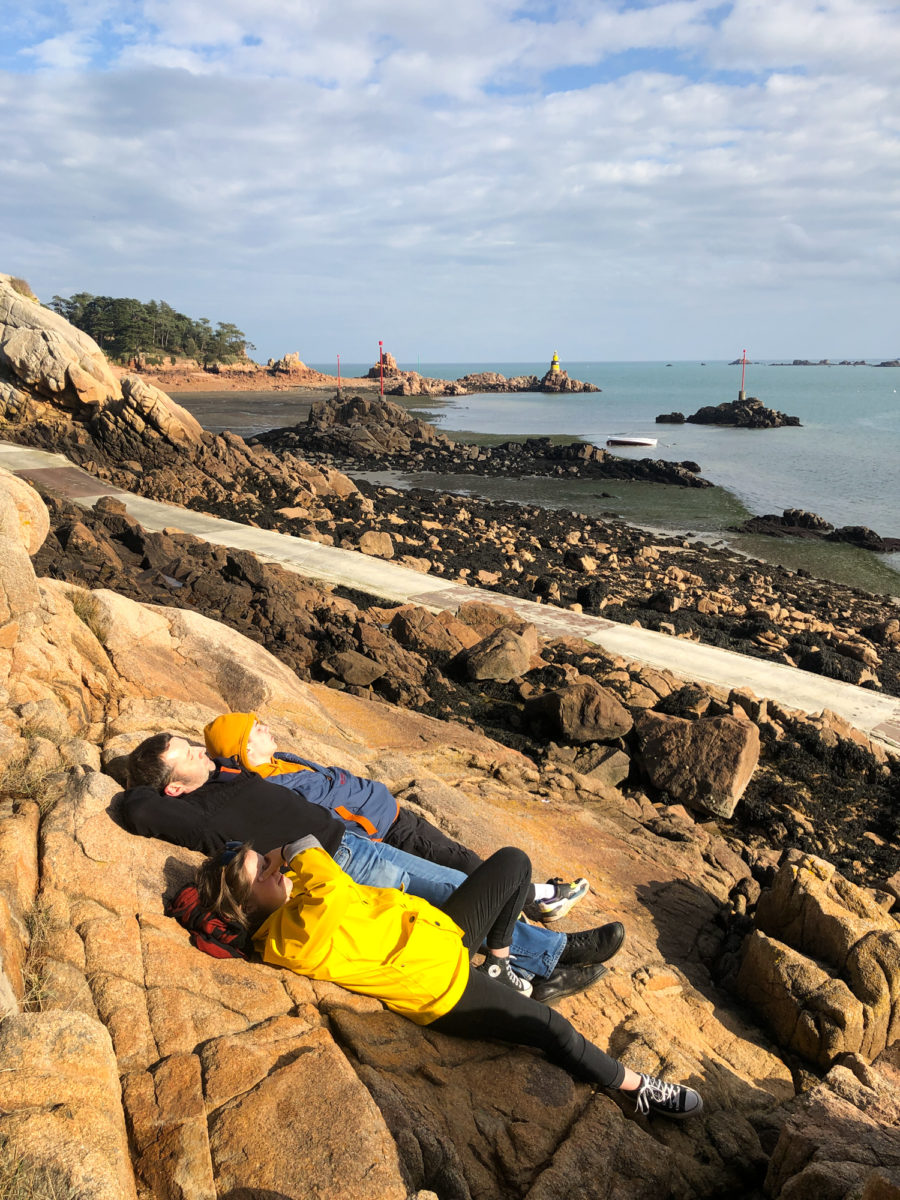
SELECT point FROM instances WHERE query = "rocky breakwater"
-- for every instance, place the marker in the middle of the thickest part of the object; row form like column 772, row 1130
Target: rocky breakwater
column 137, row 1066
column 364, row 433
column 411, row 383
column 738, row 414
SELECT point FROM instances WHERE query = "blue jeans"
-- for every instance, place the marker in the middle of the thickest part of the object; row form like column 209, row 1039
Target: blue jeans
column 534, row 950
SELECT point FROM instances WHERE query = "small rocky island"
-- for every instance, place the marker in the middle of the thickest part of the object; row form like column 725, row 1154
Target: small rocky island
column 411, row 383
column 738, row 414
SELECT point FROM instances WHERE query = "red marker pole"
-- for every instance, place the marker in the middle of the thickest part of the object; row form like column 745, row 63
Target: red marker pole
column 339, row 374
column 741, row 393
column 381, row 366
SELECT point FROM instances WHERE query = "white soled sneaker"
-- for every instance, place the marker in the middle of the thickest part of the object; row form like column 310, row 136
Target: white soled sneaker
column 655, row 1096
column 500, row 969
column 565, row 896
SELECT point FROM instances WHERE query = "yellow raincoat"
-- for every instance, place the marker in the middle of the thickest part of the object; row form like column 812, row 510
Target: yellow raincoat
column 376, row 941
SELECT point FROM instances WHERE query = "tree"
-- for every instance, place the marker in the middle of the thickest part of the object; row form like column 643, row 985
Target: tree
column 124, row 327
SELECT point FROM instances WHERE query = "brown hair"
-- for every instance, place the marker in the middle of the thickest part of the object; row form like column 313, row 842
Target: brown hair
column 145, row 765
column 224, row 888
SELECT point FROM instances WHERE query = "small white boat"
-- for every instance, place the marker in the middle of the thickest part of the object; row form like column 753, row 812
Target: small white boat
column 630, row 441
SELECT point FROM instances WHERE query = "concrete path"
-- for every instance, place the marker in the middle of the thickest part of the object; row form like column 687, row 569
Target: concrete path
column 875, row 714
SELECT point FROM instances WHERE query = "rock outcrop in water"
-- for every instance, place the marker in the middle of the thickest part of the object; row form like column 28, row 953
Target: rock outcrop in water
column 411, row 383
column 368, row 433
column 797, row 523
column 740, row 414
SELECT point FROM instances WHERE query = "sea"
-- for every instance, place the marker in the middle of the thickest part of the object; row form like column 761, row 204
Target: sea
column 843, row 462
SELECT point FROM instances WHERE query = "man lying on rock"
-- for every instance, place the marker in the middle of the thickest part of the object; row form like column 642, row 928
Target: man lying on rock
column 180, row 794
column 307, row 915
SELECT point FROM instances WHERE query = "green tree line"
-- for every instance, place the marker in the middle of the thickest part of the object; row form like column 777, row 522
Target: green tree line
column 122, row 328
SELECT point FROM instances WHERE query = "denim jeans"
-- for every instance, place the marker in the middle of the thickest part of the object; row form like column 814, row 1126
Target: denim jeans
column 535, row 950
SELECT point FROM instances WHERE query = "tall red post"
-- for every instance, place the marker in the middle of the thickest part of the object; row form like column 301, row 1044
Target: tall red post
column 381, row 366
column 742, row 395
column 339, row 372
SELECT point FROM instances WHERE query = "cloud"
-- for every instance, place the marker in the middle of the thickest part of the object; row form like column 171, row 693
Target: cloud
column 274, row 163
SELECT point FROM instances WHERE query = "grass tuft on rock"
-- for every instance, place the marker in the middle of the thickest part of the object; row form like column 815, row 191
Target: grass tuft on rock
column 23, row 287
column 23, row 1179
column 88, row 609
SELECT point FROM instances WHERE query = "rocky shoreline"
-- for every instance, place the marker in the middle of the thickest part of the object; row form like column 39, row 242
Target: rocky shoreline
column 290, row 372
column 362, row 433
column 750, row 850
column 688, row 590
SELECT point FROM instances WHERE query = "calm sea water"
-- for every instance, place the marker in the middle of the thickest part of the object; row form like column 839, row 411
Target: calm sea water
column 843, row 463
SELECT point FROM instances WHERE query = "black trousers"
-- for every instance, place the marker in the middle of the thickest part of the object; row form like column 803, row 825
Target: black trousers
column 418, row 836
column 485, row 908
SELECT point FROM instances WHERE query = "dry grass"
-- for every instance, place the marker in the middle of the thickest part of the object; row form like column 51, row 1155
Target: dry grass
column 40, row 923
column 88, row 609
column 22, row 1179
column 22, row 286
column 20, row 781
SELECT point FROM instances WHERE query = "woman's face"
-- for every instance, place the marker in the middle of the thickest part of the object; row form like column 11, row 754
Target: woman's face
column 260, row 744
column 269, row 888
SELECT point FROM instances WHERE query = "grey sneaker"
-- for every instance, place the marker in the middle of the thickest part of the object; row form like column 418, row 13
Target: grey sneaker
column 565, row 896
column 667, row 1099
column 500, row 969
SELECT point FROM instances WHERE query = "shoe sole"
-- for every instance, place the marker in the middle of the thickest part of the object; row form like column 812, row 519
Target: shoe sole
column 563, row 910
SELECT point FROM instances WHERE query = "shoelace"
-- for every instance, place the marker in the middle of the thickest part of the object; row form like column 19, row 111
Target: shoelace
column 509, row 974
column 655, row 1091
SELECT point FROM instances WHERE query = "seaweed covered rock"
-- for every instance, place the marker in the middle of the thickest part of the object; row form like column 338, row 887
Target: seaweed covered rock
column 742, row 414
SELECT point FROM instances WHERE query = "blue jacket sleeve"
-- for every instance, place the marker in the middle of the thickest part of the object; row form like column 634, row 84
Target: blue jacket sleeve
column 365, row 806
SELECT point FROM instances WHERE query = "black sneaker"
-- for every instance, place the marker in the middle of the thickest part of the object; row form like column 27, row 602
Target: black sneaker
column 565, row 895
column 667, row 1099
column 593, row 945
column 499, row 969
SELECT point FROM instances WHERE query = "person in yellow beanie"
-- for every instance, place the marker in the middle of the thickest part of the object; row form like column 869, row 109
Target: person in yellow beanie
column 365, row 806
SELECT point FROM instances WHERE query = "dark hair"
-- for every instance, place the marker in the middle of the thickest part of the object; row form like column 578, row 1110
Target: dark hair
column 223, row 888
column 145, row 765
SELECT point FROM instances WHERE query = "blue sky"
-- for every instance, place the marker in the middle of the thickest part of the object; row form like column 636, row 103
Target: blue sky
column 491, row 182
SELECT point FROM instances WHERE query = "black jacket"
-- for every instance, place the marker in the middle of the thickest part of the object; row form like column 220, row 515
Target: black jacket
column 235, row 805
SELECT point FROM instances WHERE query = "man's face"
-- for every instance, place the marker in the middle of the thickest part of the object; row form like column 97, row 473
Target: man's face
column 191, row 766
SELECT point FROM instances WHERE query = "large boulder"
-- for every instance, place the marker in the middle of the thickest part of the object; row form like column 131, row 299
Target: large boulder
column 704, row 764
column 809, row 1012
column 40, row 350
column 581, row 712
column 503, row 655
column 824, row 963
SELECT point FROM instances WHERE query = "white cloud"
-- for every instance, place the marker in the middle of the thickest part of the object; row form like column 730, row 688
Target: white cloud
column 277, row 163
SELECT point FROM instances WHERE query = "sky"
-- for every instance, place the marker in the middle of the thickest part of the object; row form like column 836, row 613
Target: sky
column 483, row 182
